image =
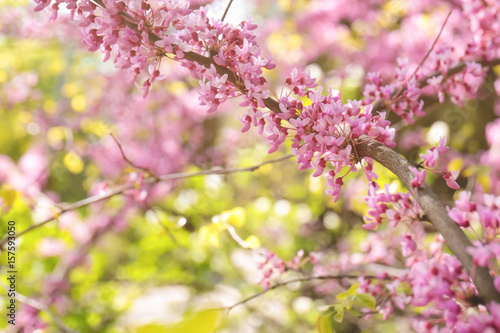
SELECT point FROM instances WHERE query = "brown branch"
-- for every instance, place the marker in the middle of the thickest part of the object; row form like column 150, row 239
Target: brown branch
column 146, row 170
column 433, row 45
column 227, row 9
column 150, row 180
column 455, row 238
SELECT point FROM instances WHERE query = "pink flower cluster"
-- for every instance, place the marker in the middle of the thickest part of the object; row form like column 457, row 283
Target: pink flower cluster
column 433, row 281
column 486, row 209
column 395, row 208
column 485, row 212
column 21, row 88
column 403, row 95
column 488, row 320
column 325, row 131
column 485, row 28
column 432, row 154
column 172, row 29
column 271, row 266
column 406, row 101
column 469, row 37
column 429, row 160
column 234, row 48
column 28, row 176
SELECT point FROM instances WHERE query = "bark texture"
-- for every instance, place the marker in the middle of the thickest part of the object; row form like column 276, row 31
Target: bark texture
column 455, row 238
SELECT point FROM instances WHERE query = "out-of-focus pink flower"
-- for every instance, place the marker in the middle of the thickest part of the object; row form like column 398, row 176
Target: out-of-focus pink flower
column 419, row 176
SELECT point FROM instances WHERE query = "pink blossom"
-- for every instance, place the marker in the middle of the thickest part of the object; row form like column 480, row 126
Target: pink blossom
column 458, row 216
column 50, row 247
column 430, row 157
column 497, row 283
column 419, row 177
column 463, row 203
column 408, row 245
column 483, row 254
column 450, row 178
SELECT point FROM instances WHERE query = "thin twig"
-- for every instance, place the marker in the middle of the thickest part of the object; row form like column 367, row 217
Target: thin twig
column 300, row 279
column 395, row 95
column 432, row 47
column 150, row 180
column 145, row 169
column 42, row 307
column 227, row 9
column 236, row 237
column 166, row 228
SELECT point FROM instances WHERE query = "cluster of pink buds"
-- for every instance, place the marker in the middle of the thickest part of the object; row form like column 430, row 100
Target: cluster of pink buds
column 405, row 101
column 393, row 207
column 324, row 132
column 271, row 266
column 137, row 33
column 485, row 209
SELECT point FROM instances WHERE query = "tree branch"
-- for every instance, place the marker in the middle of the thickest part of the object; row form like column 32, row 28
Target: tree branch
column 150, row 180
column 301, row 279
column 452, row 71
column 455, row 238
column 432, row 46
column 227, row 9
column 146, row 170
column 42, row 307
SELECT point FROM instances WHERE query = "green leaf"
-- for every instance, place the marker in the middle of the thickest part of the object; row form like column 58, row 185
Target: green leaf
column 200, row 322
column 349, row 292
column 339, row 313
column 364, row 301
column 324, row 322
column 253, row 242
column 152, row 328
column 8, row 195
column 237, row 216
column 355, row 312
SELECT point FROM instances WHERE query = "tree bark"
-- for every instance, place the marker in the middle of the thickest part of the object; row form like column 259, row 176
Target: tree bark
column 455, row 238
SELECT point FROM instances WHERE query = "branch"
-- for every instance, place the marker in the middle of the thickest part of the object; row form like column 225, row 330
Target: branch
column 227, row 9
column 455, row 238
column 433, row 45
column 42, row 307
column 146, row 170
column 150, row 180
column 452, row 71
column 301, row 279
column 166, row 228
